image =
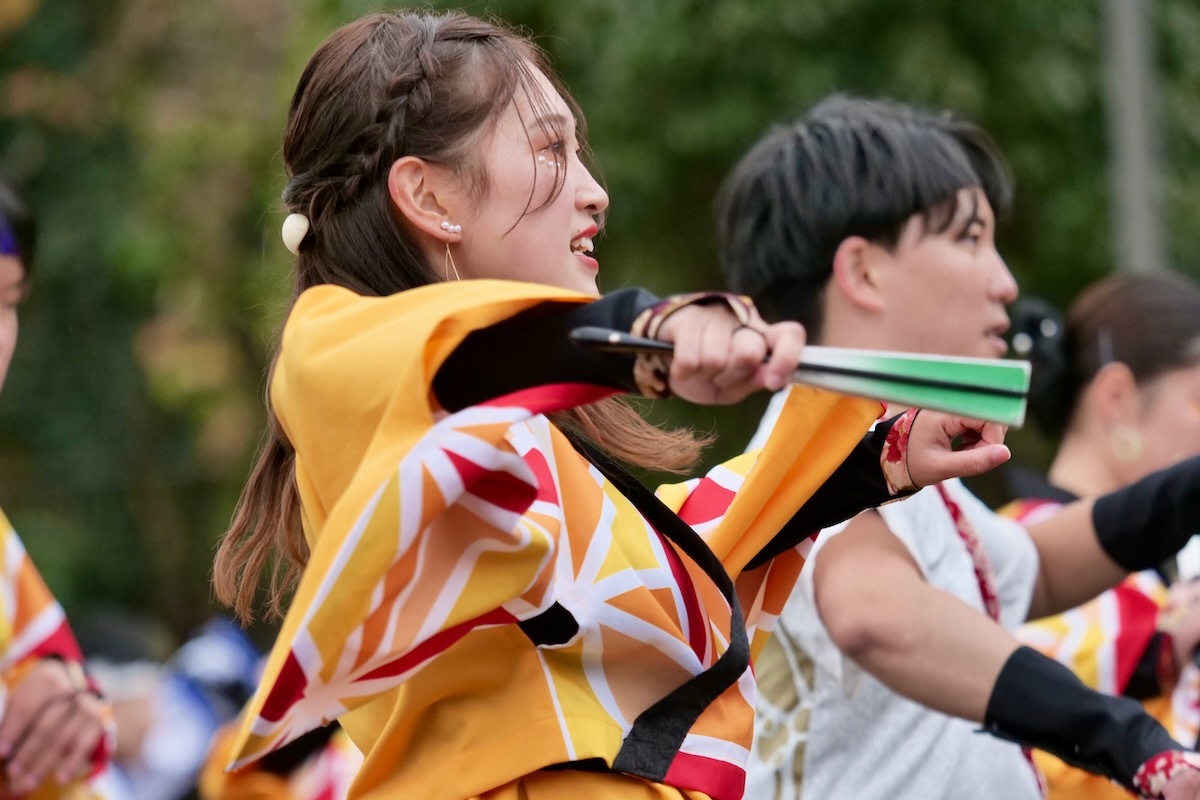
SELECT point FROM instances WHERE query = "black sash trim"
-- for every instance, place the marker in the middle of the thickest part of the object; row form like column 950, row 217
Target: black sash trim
column 658, row 732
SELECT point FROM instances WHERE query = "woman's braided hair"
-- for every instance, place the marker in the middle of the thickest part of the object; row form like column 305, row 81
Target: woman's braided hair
column 393, row 84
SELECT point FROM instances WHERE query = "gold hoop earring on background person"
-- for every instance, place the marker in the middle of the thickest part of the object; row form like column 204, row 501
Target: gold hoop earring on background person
column 1127, row 443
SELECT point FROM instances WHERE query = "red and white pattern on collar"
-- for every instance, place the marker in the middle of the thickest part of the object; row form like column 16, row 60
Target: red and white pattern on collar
column 984, row 574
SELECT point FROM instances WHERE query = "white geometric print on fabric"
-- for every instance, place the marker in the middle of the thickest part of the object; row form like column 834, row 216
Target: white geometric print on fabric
column 496, row 463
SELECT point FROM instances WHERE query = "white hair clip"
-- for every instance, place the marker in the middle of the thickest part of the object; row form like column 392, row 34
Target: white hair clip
column 295, row 228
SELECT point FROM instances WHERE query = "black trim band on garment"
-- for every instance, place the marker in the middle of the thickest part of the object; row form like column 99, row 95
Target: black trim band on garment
column 292, row 755
column 1146, row 681
column 1040, row 703
column 857, row 484
column 532, row 349
column 1145, row 523
column 658, row 732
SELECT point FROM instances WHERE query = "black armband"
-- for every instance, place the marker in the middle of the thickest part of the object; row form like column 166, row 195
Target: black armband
column 1040, row 703
column 856, row 485
column 1149, row 521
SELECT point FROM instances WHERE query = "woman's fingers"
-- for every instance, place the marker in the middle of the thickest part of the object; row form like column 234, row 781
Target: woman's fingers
column 718, row 360
column 785, row 341
column 747, row 349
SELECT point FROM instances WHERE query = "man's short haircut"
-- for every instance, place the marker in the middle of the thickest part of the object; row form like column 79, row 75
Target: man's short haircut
column 851, row 167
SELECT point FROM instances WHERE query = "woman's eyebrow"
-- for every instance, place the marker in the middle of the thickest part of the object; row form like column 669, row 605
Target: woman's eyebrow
column 551, row 121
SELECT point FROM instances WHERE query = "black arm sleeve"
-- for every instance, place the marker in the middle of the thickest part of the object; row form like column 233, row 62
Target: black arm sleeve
column 1147, row 522
column 1040, row 703
column 857, row 484
column 532, row 349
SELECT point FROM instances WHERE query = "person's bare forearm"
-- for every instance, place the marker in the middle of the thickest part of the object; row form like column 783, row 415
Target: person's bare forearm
column 930, row 647
column 922, row 643
column 1088, row 546
column 1073, row 566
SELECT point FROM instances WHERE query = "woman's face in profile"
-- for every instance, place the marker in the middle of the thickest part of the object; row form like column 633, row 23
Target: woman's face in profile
column 537, row 220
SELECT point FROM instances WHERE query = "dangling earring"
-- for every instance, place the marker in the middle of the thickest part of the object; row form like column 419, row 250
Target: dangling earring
column 448, row 266
column 1127, row 443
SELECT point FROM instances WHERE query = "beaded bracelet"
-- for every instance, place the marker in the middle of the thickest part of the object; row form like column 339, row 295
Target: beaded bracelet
column 1153, row 776
column 894, row 457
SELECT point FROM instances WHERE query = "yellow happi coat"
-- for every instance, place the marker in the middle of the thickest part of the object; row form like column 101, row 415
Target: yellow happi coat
column 33, row 626
column 325, row 774
column 433, row 533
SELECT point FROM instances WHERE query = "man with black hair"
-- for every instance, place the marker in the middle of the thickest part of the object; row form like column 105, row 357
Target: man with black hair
column 872, row 224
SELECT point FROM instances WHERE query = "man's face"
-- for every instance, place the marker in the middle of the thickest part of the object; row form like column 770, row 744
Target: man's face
column 945, row 292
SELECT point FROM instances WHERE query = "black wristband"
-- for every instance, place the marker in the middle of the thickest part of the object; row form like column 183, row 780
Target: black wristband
column 1149, row 521
column 1040, row 703
column 857, row 484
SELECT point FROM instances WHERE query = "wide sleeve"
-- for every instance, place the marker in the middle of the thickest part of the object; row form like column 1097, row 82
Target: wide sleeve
column 418, row 516
column 32, row 623
column 857, row 484
column 352, row 385
column 741, row 506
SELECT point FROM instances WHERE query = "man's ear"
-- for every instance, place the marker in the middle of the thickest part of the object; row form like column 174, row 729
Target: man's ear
column 856, row 268
column 422, row 192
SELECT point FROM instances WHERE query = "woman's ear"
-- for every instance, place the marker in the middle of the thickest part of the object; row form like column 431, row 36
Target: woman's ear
column 422, row 192
column 1113, row 395
column 856, row 266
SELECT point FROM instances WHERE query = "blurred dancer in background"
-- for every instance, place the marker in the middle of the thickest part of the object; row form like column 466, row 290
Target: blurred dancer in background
column 1120, row 383
column 55, row 729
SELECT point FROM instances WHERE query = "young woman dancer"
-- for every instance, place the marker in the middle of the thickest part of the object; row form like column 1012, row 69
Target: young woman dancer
column 490, row 603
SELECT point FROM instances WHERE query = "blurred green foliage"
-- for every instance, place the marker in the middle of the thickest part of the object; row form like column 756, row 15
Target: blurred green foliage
column 147, row 132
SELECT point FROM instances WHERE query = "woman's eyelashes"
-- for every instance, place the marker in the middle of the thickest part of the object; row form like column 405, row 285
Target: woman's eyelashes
column 553, row 156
